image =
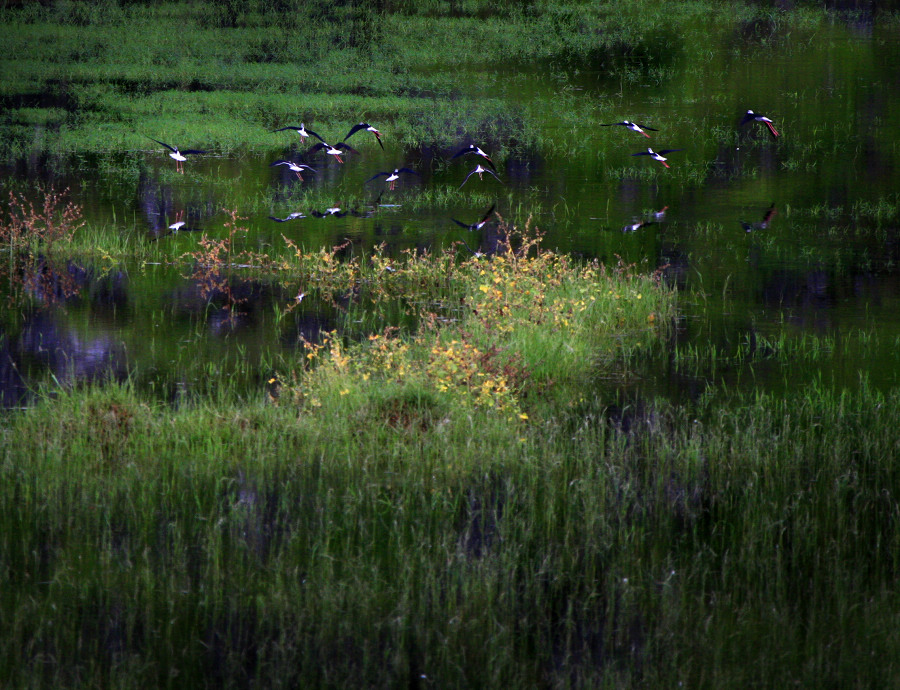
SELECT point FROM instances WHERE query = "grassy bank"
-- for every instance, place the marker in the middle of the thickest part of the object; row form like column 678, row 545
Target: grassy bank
column 78, row 77
column 408, row 542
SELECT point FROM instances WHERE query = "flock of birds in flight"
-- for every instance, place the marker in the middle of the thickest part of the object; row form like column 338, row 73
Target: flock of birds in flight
column 341, row 148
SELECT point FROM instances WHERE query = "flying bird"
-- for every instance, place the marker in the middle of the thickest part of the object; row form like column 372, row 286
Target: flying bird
column 477, row 151
column 651, row 218
column 178, row 156
column 480, row 224
column 756, row 117
column 173, row 229
column 392, row 177
column 301, row 130
column 657, row 155
column 634, row 227
column 480, row 169
column 764, row 223
column 337, row 150
column 369, row 128
column 333, row 211
column 633, row 126
column 294, row 167
column 291, row 216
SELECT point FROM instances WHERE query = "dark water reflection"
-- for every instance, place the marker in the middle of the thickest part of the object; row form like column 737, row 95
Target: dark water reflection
column 764, row 239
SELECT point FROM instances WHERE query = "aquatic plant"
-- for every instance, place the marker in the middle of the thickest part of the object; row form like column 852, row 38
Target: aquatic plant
column 39, row 225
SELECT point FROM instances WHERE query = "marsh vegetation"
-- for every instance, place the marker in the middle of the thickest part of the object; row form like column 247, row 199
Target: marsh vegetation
column 595, row 423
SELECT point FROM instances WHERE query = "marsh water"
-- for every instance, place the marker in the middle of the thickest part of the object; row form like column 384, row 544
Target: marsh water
column 785, row 251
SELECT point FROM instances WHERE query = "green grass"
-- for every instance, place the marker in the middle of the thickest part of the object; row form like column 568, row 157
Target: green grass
column 458, row 501
column 442, row 491
column 224, row 75
column 612, row 545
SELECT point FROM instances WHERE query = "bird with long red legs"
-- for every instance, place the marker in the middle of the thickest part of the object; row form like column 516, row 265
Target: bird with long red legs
column 471, row 148
column 657, row 155
column 750, row 116
column 367, row 127
column 633, row 126
column 391, row 178
column 301, row 130
column 178, row 156
column 337, row 150
column 480, row 170
column 297, row 168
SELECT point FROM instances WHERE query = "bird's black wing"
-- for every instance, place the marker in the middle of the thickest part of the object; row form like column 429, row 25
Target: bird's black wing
column 345, row 147
column 355, row 129
column 171, row 148
column 467, row 178
column 462, row 152
column 488, row 213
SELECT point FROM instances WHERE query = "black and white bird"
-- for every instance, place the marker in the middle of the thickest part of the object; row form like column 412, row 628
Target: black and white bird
column 480, row 169
column 633, row 126
column 178, row 156
column 750, row 116
column 301, row 130
column 337, row 150
column 369, row 128
column 392, row 177
column 297, row 168
column 477, row 151
column 478, row 225
column 634, row 227
column 296, row 215
column 764, row 223
column 657, row 155
column 328, row 212
column 179, row 225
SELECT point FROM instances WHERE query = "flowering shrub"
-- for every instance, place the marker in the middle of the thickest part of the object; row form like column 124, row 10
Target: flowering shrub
column 526, row 319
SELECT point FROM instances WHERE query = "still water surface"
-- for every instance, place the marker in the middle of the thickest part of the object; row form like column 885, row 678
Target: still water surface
column 792, row 238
